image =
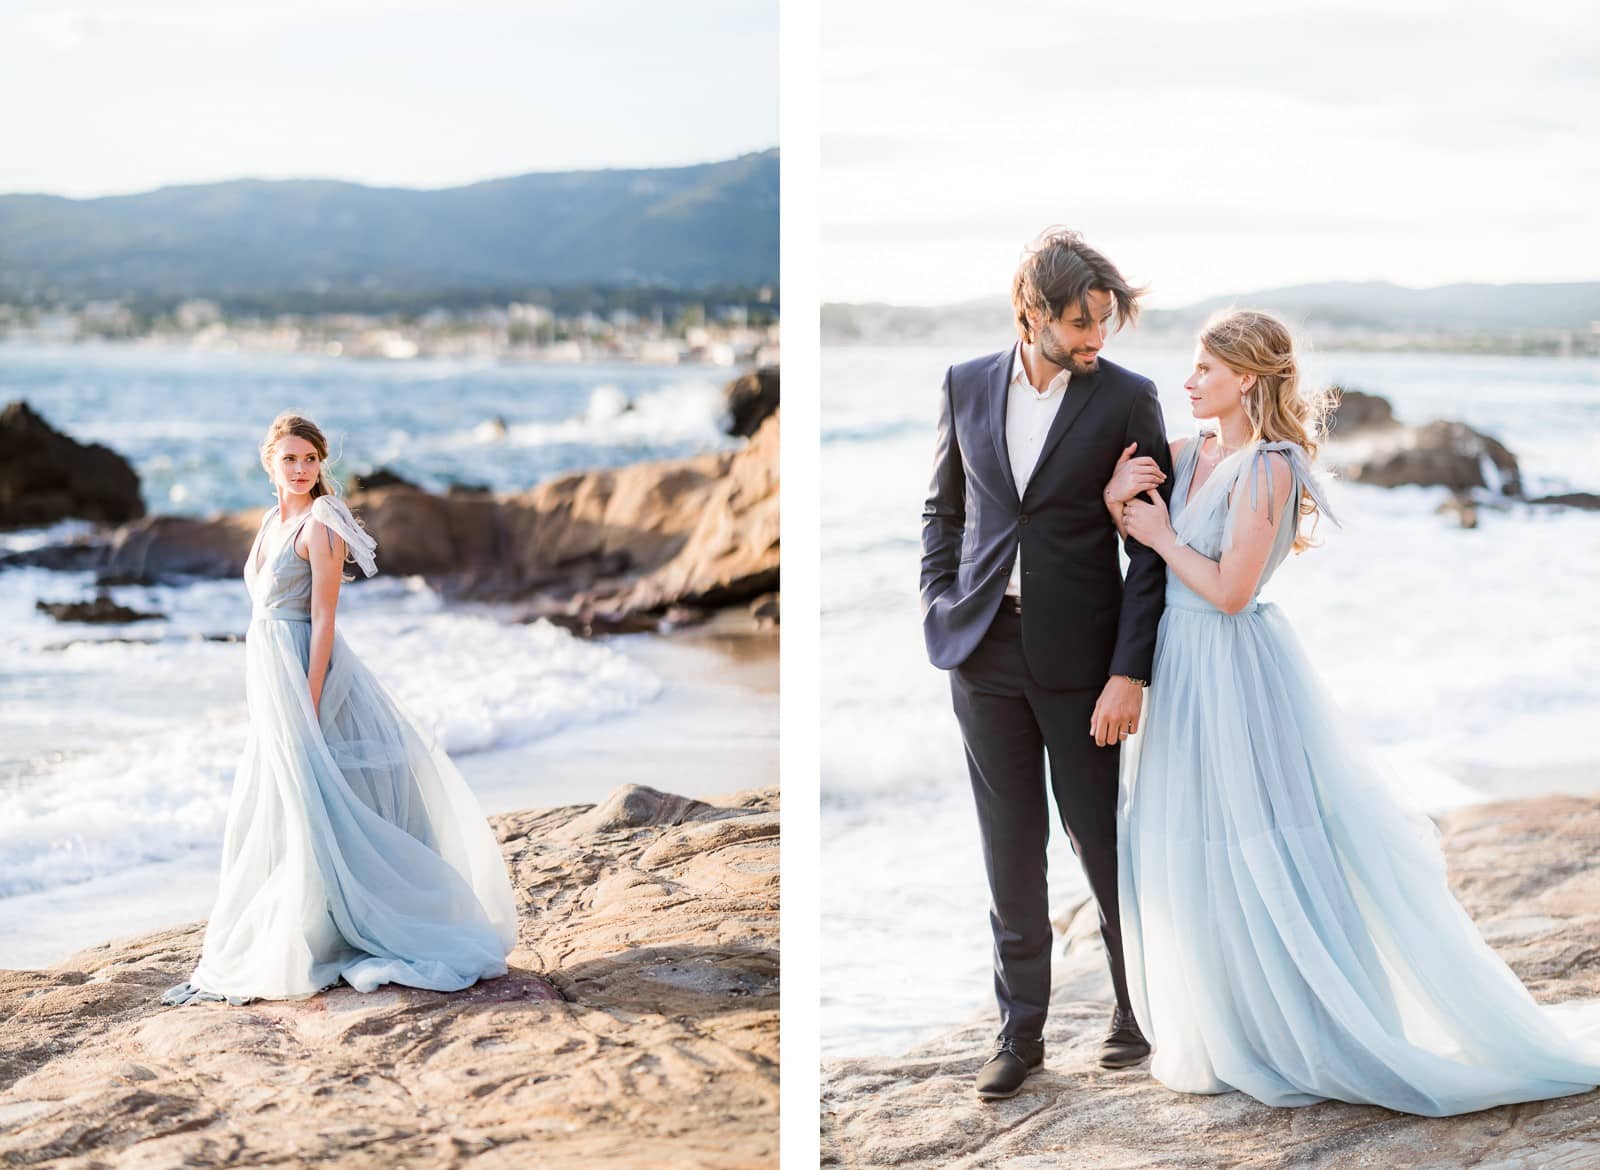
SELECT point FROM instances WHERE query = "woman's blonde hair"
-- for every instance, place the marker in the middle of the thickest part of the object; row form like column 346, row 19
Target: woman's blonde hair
column 289, row 423
column 1249, row 341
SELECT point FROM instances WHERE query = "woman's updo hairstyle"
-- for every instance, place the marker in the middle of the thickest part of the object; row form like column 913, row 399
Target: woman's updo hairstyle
column 289, row 423
column 1249, row 341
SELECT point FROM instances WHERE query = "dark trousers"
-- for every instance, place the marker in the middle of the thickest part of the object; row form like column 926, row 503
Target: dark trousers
column 1010, row 725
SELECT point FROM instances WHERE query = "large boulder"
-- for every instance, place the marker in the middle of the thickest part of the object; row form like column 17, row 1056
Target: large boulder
column 731, row 554
column 1439, row 454
column 634, row 517
column 158, row 547
column 750, row 400
column 428, row 535
column 46, row 477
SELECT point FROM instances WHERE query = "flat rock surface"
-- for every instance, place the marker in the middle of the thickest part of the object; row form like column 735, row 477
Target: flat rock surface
column 638, row 1026
column 1528, row 871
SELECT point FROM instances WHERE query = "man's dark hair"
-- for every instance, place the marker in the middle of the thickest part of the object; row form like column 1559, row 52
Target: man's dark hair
column 1058, row 269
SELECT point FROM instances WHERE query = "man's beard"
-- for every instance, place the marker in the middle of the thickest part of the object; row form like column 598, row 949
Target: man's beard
column 1065, row 358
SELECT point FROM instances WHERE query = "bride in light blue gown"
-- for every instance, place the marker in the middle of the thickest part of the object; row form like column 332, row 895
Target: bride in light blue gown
column 353, row 848
column 1288, row 927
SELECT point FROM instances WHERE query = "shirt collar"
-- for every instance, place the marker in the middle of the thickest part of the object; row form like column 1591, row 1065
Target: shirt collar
column 1019, row 373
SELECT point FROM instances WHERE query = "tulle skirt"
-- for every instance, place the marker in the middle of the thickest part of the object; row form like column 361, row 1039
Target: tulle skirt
column 1288, row 926
column 353, row 847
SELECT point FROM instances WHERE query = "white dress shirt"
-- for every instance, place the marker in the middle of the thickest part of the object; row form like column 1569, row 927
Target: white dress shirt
column 1029, row 413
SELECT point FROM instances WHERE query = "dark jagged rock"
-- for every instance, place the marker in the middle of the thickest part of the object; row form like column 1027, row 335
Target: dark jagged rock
column 380, row 477
column 589, row 624
column 750, row 400
column 46, row 476
column 164, row 547
column 101, row 610
column 1369, row 445
column 1583, row 501
column 1440, row 454
column 108, row 579
column 153, row 549
column 81, row 554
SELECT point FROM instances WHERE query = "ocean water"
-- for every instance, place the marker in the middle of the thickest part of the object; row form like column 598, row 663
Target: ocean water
column 190, row 421
column 1468, row 657
column 118, row 742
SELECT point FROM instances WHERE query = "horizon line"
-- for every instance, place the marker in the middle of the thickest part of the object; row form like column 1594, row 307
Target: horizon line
column 192, row 184
column 1001, row 298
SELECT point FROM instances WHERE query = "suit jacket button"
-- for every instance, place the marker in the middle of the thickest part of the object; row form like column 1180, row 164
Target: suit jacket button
column 1022, row 519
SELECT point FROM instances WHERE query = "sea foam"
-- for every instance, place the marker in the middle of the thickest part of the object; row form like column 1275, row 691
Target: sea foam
column 121, row 753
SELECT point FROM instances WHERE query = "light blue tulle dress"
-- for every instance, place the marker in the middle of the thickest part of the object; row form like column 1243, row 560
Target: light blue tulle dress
column 353, row 848
column 1289, row 929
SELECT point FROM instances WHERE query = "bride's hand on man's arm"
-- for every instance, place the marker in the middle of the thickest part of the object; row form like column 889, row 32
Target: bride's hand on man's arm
column 1132, row 477
column 1148, row 521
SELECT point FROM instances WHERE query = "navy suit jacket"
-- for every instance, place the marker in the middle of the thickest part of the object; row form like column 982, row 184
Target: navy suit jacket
column 1081, row 621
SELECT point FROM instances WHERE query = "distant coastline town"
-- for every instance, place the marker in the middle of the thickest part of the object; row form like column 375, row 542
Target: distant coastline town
column 1545, row 320
column 736, row 331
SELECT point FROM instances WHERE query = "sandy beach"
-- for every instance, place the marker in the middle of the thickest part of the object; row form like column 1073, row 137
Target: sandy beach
column 714, row 725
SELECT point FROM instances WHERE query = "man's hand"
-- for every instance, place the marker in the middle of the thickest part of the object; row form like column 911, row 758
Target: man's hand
column 1116, row 712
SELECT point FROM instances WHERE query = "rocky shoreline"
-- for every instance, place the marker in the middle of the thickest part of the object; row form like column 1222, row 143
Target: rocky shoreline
column 646, row 546
column 1527, row 871
column 638, row 1026
column 1367, row 444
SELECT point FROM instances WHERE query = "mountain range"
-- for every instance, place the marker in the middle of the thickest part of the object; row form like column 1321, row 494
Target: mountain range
column 715, row 224
column 1343, row 307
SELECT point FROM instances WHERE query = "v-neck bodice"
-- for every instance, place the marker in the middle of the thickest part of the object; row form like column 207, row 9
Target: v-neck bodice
column 283, row 578
column 1205, row 522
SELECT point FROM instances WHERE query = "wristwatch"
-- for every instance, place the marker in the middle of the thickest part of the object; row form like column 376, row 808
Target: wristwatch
column 1136, row 681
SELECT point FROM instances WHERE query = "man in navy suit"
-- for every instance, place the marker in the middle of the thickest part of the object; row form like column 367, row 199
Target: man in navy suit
column 1024, row 602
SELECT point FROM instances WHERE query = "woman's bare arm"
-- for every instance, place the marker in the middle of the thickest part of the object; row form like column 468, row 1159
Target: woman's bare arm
column 326, row 552
column 1229, row 583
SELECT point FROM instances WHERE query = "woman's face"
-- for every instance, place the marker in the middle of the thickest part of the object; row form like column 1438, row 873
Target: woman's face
column 1214, row 389
column 295, row 465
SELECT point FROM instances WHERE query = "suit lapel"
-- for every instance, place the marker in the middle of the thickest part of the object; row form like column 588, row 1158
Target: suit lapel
column 999, row 393
column 1080, row 388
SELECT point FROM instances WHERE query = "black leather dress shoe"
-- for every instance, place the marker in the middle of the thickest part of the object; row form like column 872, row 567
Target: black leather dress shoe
column 1124, row 1044
column 1003, row 1073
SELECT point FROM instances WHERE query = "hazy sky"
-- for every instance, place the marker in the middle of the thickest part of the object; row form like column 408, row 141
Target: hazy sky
column 114, row 96
column 1208, row 147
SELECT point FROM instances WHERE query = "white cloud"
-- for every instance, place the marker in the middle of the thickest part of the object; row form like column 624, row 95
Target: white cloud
column 1223, row 147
